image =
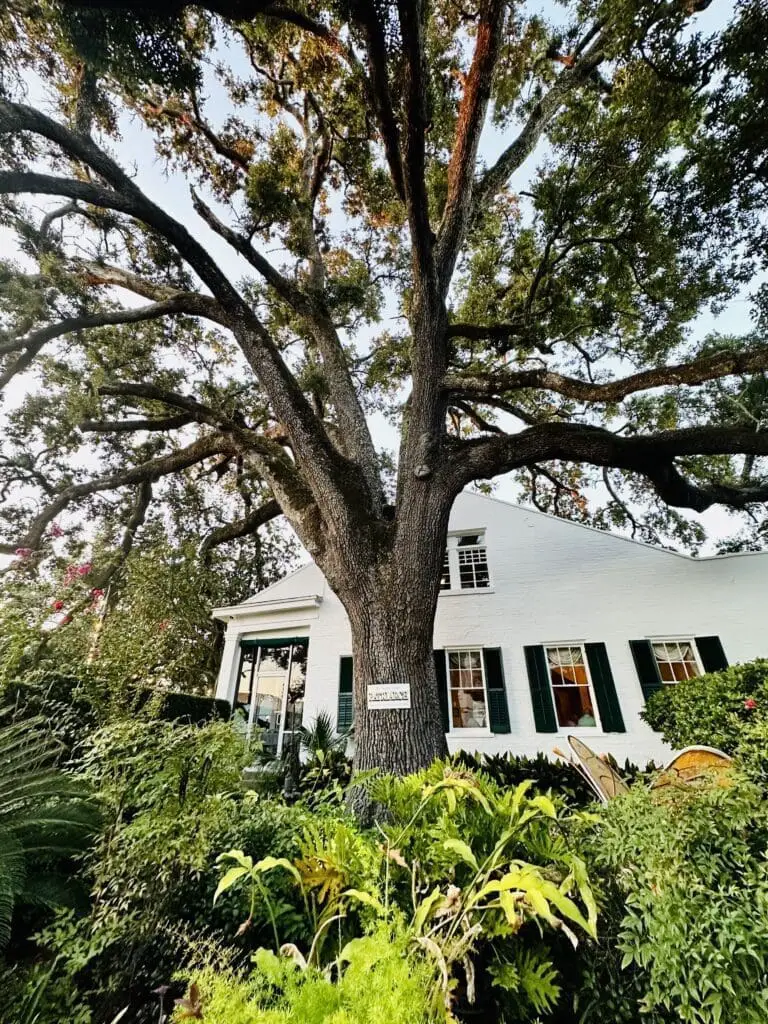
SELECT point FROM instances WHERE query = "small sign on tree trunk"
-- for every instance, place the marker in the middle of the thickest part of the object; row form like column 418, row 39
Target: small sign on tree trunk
column 385, row 696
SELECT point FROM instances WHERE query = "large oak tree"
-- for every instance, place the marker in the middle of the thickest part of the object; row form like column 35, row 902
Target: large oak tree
column 495, row 230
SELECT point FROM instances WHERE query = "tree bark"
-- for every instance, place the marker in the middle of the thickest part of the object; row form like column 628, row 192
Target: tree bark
column 392, row 642
column 388, row 582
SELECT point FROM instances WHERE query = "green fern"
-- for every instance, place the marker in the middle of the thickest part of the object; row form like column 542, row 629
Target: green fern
column 530, row 974
column 45, row 814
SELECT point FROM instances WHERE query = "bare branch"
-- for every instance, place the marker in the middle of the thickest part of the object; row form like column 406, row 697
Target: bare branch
column 721, row 364
column 461, row 169
column 153, row 469
column 34, row 342
column 241, row 528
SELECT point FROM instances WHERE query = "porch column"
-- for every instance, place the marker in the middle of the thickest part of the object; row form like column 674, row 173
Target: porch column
column 230, row 665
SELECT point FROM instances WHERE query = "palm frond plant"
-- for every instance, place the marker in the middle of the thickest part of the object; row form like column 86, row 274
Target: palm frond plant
column 327, row 768
column 320, row 737
column 46, row 815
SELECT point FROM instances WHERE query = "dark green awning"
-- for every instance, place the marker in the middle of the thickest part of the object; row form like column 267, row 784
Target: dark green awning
column 283, row 641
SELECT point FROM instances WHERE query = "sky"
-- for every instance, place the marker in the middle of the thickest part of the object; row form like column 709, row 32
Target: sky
column 136, row 152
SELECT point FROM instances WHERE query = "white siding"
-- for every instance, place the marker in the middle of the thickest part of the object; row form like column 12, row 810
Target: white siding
column 551, row 582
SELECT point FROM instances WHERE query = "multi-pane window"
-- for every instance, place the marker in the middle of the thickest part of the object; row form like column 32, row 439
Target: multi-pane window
column 465, row 566
column 466, row 689
column 571, row 688
column 676, row 660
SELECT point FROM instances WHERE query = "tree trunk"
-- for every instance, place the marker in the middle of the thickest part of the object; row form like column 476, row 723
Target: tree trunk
column 392, row 644
column 389, row 584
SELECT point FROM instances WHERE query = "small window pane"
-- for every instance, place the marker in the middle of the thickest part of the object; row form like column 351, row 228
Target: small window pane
column 473, row 568
column 676, row 660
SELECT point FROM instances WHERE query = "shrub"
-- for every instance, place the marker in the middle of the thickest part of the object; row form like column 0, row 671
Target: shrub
column 174, row 799
column 727, row 709
column 693, row 934
column 472, row 875
column 186, row 707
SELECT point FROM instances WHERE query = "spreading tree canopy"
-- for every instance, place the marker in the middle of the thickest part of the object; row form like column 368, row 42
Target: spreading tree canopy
column 494, row 227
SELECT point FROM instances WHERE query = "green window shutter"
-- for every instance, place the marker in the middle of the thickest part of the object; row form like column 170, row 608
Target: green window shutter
column 498, row 710
column 605, row 688
column 442, row 687
column 346, row 711
column 711, row 653
column 647, row 669
column 541, row 690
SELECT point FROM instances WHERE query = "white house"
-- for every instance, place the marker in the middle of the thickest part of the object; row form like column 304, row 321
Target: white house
column 543, row 628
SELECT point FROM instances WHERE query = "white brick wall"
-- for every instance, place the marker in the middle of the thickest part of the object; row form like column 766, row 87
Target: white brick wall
column 551, row 582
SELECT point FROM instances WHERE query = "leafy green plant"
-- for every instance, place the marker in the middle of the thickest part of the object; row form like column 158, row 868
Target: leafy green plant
column 692, row 870
column 45, row 815
column 320, row 737
column 447, row 871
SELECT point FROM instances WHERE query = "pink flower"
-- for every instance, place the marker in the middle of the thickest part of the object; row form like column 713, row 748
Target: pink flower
column 750, row 704
column 96, row 593
column 75, row 571
column 57, row 606
column 56, row 530
column 23, row 552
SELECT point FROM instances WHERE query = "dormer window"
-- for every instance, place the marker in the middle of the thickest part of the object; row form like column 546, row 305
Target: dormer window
column 465, row 566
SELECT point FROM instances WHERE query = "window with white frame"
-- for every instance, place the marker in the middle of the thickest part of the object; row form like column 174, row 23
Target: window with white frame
column 676, row 660
column 466, row 689
column 574, row 700
column 465, row 566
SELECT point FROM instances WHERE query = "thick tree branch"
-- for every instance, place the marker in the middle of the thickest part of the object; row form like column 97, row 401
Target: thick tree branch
column 34, row 342
column 232, row 10
column 461, row 169
column 240, row 528
column 652, row 456
column 379, row 93
column 323, row 465
column 131, row 426
column 358, row 441
column 721, row 364
column 416, row 120
column 145, row 472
